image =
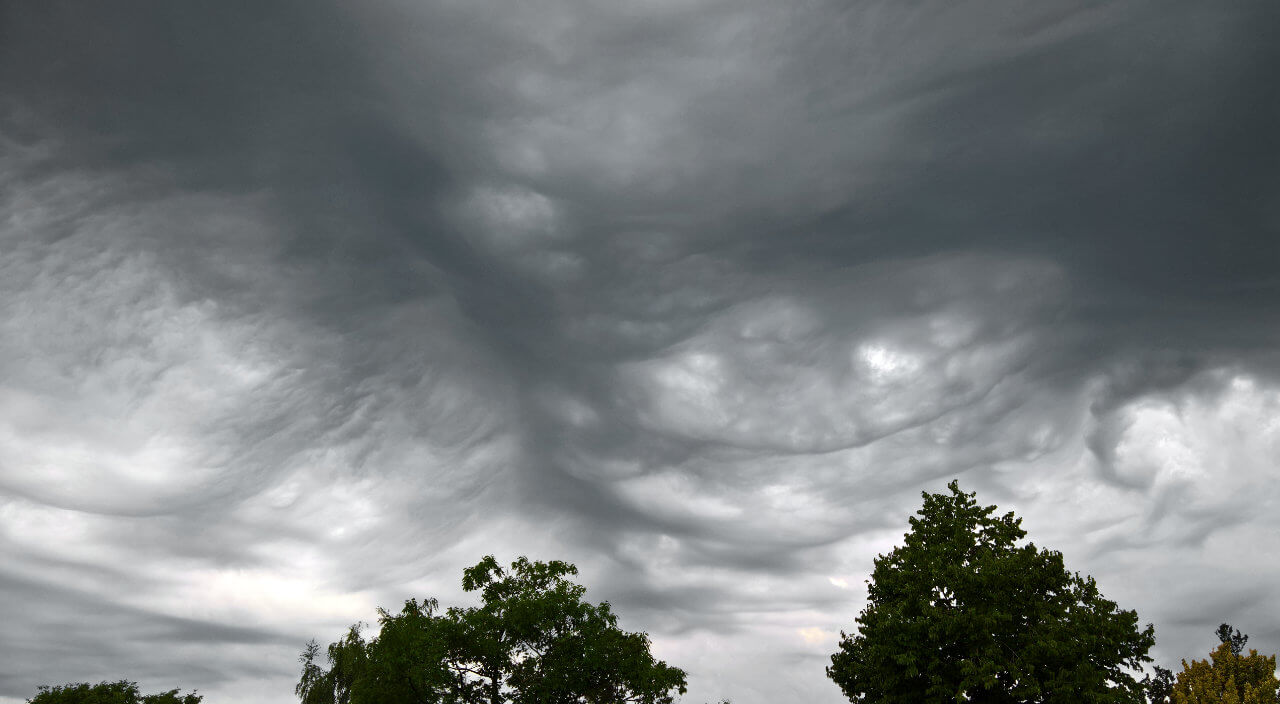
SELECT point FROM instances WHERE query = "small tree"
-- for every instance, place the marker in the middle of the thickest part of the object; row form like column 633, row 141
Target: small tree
column 962, row 612
column 1228, row 677
column 122, row 692
column 533, row 640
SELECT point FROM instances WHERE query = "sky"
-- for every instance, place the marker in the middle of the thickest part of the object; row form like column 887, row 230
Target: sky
column 305, row 306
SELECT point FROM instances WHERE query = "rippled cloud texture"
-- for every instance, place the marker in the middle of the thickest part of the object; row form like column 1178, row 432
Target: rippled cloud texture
column 305, row 306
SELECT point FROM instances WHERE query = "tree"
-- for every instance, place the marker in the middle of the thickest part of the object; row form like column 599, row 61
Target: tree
column 533, row 640
column 1160, row 687
column 122, row 692
column 347, row 660
column 1235, row 640
column 962, row 612
column 1228, row 677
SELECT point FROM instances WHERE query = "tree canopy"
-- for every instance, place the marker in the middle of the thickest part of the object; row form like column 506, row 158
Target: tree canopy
column 122, row 692
column 963, row 611
column 1228, row 676
column 533, row 640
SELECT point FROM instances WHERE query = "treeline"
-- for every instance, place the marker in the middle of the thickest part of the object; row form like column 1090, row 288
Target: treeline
column 963, row 611
column 122, row 692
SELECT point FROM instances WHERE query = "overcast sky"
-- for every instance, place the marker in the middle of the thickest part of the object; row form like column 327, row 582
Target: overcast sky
column 305, row 306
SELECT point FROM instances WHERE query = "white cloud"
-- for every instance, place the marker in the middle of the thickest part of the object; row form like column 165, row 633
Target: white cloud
column 771, row 373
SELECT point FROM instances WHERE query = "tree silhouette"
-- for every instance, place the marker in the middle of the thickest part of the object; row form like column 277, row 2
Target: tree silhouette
column 122, row 692
column 963, row 612
column 1235, row 640
column 532, row 640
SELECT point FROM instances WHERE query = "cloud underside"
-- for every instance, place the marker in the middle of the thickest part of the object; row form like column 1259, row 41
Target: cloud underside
column 304, row 308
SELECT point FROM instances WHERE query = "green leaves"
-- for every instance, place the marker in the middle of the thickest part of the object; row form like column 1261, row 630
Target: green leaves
column 122, row 692
column 532, row 640
column 963, row 612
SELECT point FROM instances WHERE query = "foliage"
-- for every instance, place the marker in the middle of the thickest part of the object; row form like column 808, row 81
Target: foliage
column 122, row 692
column 1160, row 687
column 1235, row 640
column 962, row 612
column 1228, row 677
column 533, row 640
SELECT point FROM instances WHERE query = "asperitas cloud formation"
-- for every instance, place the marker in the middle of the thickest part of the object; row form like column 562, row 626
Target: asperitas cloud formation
column 305, row 306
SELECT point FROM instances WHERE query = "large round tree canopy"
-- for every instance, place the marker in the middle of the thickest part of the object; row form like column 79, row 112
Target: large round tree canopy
column 964, row 611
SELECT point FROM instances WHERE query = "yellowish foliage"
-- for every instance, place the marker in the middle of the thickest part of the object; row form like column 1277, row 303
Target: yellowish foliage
column 1228, row 679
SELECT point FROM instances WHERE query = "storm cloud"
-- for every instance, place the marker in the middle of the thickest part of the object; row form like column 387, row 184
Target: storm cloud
column 305, row 306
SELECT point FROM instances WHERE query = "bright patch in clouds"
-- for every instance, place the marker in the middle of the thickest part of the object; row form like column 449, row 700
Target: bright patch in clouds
column 1212, row 442
column 886, row 365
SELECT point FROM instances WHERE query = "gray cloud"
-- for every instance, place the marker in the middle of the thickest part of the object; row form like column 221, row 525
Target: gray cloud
column 305, row 306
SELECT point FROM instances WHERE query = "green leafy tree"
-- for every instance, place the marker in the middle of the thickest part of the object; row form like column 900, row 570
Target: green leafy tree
column 122, row 692
column 1228, row 677
column 347, row 660
column 963, row 612
column 532, row 640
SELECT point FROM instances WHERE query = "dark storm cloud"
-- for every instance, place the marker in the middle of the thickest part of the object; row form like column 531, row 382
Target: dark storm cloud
column 319, row 302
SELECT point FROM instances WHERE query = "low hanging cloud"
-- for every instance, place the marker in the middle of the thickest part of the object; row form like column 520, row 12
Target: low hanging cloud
column 306, row 306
